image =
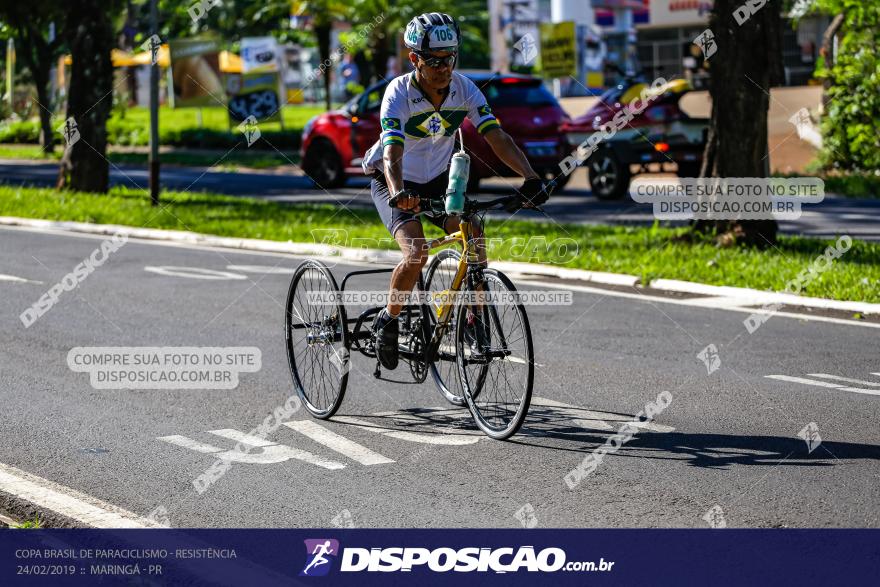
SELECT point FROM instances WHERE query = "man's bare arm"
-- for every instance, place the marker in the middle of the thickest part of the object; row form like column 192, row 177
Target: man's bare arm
column 505, row 147
column 392, row 157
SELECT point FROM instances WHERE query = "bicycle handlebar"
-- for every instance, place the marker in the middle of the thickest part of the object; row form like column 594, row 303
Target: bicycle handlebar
column 472, row 206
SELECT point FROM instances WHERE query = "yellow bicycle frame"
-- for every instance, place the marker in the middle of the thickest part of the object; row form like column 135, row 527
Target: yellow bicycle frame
column 468, row 256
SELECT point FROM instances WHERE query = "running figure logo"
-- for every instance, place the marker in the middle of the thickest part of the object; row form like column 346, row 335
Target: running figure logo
column 317, row 552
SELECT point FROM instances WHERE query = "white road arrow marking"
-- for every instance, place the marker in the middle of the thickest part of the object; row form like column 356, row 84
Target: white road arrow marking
column 349, row 448
column 184, row 442
column 269, row 453
column 446, row 438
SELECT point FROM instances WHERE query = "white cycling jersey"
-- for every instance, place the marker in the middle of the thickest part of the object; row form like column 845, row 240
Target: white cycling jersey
column 427, row 135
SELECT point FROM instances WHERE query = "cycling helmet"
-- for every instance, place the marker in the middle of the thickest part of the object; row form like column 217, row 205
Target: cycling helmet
column 432, row 31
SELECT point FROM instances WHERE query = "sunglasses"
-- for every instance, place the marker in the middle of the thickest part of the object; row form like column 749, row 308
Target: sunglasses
column 437, row 62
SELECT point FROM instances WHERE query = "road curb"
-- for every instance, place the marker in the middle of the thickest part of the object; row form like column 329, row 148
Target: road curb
column 743, row 296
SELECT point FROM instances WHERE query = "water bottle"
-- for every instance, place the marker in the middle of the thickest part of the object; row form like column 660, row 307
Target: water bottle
column 459, row 170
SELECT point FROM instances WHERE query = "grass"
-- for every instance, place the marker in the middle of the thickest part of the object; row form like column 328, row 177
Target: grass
column 232, row 161
column 862, row 185
column 130, row 126
column 34, row 524
column 213, row 117
column 649, row 252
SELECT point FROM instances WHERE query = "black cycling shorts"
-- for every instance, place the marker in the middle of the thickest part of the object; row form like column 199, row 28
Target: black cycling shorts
column 394, row 218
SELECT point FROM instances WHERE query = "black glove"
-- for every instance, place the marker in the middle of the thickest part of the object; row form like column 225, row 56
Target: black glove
column 404, row 193
column 533, row 192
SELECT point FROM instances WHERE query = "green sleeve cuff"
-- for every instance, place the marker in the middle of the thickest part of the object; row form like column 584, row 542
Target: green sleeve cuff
column 487, row 126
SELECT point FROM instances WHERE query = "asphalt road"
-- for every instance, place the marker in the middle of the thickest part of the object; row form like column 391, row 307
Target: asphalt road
column 830, row 218
column 728, row 438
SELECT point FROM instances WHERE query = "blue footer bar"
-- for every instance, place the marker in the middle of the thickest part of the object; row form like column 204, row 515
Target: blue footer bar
column 438, row 557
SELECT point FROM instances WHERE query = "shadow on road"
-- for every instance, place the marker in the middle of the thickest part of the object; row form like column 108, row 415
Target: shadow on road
column 555, row 428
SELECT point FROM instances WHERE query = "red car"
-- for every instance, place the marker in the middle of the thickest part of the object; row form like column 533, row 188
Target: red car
column 334, row 143
column 662, row 134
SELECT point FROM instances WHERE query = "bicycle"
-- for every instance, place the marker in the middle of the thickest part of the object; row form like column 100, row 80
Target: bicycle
column 462, row 340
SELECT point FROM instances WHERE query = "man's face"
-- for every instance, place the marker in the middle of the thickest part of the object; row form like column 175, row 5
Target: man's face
column 436, row 74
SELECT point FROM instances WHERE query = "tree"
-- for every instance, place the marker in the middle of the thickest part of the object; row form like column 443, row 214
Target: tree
column 851, row 75
column 747, row 64
column 30, row 23
column 378, row 24
column 323, row 13
column 91, row 37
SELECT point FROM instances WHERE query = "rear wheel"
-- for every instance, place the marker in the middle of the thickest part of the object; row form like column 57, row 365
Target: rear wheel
column 323, row 165
column 495, row 356
column 609, row 178
column 440, row 273
column 317, row 338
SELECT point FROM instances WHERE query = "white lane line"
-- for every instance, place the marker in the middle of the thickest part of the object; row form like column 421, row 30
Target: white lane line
column 511, row 358
column 844, row 379
column 14, row 279
column 446, row 438
column 804, row 381
column 68, row 502
column 349, row 448
column 189, row 246
column 823, row 384
column 268, row 269
column 193, row 272
column 714, row 304
column 355, row 263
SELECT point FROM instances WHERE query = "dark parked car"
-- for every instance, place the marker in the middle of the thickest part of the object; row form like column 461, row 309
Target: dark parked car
column 334, row 143
column 663, row 133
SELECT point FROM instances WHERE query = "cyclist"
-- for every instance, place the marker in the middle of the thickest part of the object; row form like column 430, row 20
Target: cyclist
column 420, row 114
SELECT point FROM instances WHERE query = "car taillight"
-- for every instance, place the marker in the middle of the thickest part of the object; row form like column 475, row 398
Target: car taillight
column 661, row 147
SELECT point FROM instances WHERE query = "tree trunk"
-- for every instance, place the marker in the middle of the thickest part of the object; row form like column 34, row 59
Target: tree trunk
column 827, row 52
column 47, row 136
column 379, row 49
column 38, row 55
column 84, row 166
column 747, row 63
column 322, row 33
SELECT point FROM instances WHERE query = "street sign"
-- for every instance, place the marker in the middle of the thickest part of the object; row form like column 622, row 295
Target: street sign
column 558, row 50
column 196, row 72
column 253, row 94
column 259, row 55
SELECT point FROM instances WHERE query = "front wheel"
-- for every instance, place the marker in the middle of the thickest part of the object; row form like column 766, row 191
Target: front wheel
column 439, row 276
column 494, row 353
column 315, row 328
